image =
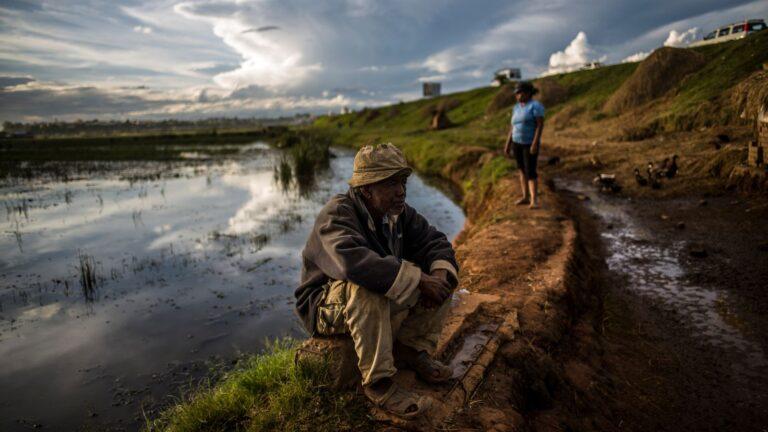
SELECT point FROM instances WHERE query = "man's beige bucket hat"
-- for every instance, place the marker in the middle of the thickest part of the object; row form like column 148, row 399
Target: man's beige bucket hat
column 374, row 164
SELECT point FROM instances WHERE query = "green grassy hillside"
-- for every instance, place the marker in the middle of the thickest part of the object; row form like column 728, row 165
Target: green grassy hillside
column 700, row 99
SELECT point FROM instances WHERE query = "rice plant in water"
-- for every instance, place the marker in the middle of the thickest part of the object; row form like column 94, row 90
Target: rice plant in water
column 88, row 277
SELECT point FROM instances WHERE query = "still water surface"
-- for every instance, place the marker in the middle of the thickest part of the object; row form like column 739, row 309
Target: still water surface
column 190, row 268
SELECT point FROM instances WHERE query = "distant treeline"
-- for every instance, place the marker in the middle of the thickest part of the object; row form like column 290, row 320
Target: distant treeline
column 166, row 146
column 113, row 128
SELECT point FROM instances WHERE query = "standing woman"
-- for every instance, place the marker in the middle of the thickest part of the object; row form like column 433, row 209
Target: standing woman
column 524, row 140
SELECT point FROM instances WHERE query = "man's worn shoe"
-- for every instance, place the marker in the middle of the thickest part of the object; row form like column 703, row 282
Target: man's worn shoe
column 429, row 369
column 400, row 402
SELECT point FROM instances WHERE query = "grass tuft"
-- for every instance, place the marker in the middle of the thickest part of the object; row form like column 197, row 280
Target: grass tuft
column 265, row 392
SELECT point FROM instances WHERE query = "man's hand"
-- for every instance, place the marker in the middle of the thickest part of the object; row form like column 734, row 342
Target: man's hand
column 434, row 289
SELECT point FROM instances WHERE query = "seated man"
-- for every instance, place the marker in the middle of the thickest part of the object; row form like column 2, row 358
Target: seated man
column 374, row 268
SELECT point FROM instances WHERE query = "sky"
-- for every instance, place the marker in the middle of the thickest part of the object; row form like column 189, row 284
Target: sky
column 187, row 59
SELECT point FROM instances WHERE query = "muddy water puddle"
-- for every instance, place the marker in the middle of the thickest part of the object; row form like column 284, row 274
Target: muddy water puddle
column 116, row 290
column 652, row 267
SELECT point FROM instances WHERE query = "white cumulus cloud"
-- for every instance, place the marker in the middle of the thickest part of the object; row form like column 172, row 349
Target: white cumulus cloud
column 676, row 39
column 574, row 56
column 431, row 78
column 269, row 59
column 636, row 57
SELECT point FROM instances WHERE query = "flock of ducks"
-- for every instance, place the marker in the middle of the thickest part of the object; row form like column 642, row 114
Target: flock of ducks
column 668, row 169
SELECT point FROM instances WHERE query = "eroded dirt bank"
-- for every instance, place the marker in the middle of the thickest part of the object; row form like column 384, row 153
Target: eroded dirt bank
column 624, row 323
column 682, row 332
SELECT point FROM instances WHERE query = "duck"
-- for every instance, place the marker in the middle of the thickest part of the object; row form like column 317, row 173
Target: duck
column 607, row 183
column 672, row 169
column 642, row 181
column 652, row 178
column 662, row 170
column 651, row 170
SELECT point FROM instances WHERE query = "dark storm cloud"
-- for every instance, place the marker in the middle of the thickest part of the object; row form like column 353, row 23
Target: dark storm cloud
column 228, row 55
column 11, row 81
column 22, row 5
column 66, row 102
column 261, row 29
column 217, row 68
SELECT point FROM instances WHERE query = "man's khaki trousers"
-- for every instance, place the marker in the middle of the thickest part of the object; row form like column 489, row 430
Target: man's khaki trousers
column 374, row 321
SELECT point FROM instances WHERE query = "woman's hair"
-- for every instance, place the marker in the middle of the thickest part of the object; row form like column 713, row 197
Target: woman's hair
column 526, row 87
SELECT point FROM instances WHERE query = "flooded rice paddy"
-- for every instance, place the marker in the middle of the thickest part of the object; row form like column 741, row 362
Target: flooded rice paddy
column 119, row 288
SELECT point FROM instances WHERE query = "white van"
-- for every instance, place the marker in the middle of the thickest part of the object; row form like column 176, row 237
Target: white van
column 731, row 32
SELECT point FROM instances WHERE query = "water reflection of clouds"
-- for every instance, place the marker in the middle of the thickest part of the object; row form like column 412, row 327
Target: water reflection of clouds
column 41, row 312
column 82, row 223
column 172, row 277
column 264, row 203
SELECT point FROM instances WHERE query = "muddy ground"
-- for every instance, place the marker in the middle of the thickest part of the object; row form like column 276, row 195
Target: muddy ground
column 665, row 373
column 663, row 323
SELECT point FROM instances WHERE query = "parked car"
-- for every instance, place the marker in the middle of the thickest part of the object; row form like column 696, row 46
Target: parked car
column 732, row 31
column 503, row 76
column 592, row 65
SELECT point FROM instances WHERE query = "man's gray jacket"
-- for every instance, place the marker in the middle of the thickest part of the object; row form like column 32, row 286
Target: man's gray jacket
column 343, row 245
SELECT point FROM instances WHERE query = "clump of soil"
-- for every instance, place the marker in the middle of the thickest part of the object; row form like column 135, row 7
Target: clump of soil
column 654, row 77
column 550, row 92
column 504, row 98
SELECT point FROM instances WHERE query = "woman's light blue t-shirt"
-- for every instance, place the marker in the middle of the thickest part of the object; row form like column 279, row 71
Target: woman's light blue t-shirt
column 524, row 121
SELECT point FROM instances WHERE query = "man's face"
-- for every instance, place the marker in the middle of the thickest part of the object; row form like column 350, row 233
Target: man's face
column 387, row 197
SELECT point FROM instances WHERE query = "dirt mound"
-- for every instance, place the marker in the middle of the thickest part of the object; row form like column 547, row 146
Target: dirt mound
column 749, row 95
column 440, row 120
column 655, row 76
column 369, row 115
column 550, row 92
column 444, row 105
column 504, row 98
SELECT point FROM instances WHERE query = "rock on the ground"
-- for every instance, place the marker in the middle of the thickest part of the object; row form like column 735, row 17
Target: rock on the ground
column 697, row 250
column 340, row 354
column 493, row 419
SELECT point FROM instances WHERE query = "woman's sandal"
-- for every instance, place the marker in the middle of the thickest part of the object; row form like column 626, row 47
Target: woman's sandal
column 522, row 201
column 401, row 403
column 428, row 369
